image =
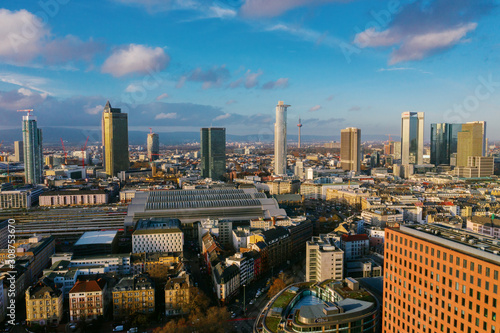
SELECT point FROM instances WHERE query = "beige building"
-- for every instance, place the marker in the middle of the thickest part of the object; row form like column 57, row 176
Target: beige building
column 283, row 186
column 87, row 300
column 350, row 149
column 352, row 197
column 477, row 166
column 134, row 294
column 178, row 293
column 44, row 305
column 471, row 142
column 73, row 198
column 324, row 260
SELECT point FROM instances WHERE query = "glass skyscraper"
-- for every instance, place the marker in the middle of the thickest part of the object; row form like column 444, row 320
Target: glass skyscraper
column 412, row 138
column 33, row 161
column 444, row 141
column 153, row 146
column 213, row 153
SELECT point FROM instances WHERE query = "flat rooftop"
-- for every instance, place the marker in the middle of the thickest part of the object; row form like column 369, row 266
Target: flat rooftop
column 97, row 237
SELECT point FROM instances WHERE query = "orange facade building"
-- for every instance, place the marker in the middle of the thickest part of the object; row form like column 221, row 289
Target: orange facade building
column 439, row 279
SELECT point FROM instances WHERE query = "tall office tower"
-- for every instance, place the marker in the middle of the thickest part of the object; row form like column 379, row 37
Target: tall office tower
column 397, row 150
column 114, row 140
column 18, row 151
column 471, row 141
column 32, row 149
column 350, row 149
column 153, row 146
column 412, row 138
column 444, row 142
column 438, row 279
column 213, row 153
column 299, row 125
column 280, row 139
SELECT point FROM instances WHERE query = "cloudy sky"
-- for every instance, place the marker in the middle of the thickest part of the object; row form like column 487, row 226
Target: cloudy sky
column 177, row 65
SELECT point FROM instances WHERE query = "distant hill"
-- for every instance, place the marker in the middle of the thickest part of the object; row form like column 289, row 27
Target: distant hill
column 53, row 135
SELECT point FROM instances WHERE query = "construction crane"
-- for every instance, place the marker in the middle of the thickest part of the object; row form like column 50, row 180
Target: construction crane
column 83, row 150
column 65, row 153
column 26, row 110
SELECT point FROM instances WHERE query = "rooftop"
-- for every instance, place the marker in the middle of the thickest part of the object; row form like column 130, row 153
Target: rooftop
column 97, row 237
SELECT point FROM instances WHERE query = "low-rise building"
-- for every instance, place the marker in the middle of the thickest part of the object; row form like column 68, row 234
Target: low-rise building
column 382, row 217
column 44, row 305
column 73, row 198
column 88, row 300
column 178, row 293
column 23, row 198
column 96, row 243
column 245, row 265
column 158, row 265
column 484, row 225
column 132, row 295
column 354, row 246
column 226, row 281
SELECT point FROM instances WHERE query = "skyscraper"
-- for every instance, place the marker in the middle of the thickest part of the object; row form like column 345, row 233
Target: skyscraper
column 114, row 140
column 350, row 149
column 471, row 141
column 153, row 146
column 412, row 138
column 213, row 153
column 33, row 161
column 18, row 151
column 280, row 139
column 444, row 141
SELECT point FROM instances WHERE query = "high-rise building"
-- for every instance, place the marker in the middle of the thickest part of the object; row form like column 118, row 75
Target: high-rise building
column 444, row 142
column 438, row 279
column 213, row 153
column 350, row 149
column 471, row 141
column 33, row 161
column 18, row 151
column 114, row 140
column 280, row 150
column 412, row 138
column 153, row 146
column 324, row 260
column 397, row 150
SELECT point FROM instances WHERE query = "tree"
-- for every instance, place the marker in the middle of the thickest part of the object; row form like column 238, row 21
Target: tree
column 277, row 285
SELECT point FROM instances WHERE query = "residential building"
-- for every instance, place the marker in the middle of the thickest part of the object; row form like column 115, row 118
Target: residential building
column 324, row 260
column 133, row 295
column 350, row 149
column 354, row 246
column 32, row 149
column 114, row 140
column 280, row 143
column 226, row 281
column 44, row 305
column 159, row 265
column 23, row 198
column 283, row 186
column 437, row 279
column 245, row 265
column 88, row 300
column 213, row 153
column 485, row 225
column 382, row 217
column 114, row 263
column 412, row 138
column 278, row 243
column 179, row 292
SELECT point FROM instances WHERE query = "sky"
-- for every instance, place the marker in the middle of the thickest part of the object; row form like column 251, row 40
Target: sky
column 178, row 65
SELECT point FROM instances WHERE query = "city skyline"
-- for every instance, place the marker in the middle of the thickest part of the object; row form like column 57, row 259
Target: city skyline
column 336, row 75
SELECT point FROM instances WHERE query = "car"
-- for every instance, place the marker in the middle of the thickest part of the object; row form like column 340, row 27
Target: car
column 133, row 330
column 233, row 315
column 118, row 328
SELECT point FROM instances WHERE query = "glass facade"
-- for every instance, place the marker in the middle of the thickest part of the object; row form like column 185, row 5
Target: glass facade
column 213, row 153
column 412, row 137
column 444, row 141
column 33, row 159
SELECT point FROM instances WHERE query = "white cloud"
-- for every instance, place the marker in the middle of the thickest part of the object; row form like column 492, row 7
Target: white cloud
column 94, row 110
column 307, row 35
column 133, row 87
column 271, row 8
column 26, row 81
column 315, row 108
column 136, row 59
column 279, row 83
column 162, row 96
column 222, row 116
column 163, row 115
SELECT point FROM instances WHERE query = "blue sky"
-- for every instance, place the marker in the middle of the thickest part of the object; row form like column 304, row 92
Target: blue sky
column 179, row 65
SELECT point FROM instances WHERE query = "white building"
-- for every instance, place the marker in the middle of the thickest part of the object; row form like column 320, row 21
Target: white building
column 324, row 260
column 157, row 240
column 354, row 246
column 412, row 130
column 245, row 265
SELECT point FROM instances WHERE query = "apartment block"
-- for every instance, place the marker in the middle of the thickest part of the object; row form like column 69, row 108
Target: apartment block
column 44, row 305
column 324, row 260
column 133, row 294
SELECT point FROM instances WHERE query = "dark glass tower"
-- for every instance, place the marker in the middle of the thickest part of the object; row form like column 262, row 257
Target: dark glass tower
column 444, row 140
column 213, row 153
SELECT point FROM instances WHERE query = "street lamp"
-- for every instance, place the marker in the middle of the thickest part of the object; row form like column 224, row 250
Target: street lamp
column 244, row 302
